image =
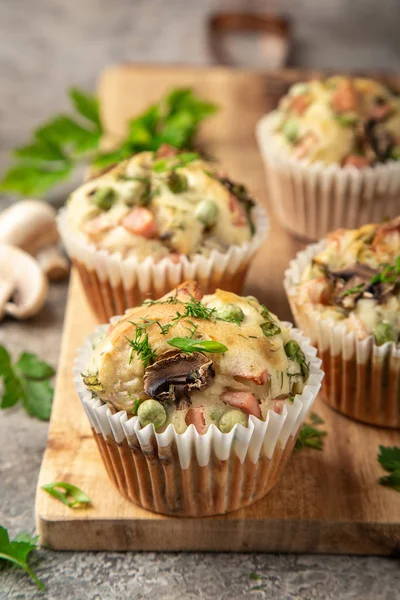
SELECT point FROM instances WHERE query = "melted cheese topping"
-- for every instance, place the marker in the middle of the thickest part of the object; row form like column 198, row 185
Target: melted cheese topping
column 254, row 363
column 366, row 308
column 340, row 120
column 151, row 214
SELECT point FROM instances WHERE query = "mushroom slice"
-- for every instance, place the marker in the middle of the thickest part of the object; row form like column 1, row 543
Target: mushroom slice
column 24, row 286
column 175, row 374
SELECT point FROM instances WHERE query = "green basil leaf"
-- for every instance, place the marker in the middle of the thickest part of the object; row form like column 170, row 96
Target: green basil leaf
column 191, row 345
column 68, row 494
column 86, row 105
column 32, row 367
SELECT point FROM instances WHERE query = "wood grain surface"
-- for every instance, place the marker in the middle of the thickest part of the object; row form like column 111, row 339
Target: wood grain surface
column 326, row 501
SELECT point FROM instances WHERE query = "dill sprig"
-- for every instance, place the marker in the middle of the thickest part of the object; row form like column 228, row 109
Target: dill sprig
column 140, row 344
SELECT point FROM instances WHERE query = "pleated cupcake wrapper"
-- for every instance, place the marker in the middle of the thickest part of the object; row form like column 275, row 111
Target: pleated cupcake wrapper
column 362, row 379
column 189, row 474
column 312, row 199
column 114, row 284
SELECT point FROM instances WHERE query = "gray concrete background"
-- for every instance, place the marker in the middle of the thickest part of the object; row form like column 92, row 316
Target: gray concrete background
column 46, row 46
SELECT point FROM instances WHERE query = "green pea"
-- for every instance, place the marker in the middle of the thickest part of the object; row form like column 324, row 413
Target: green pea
column 231, row 418
column 269, row 328
column 105, row 197
column 230, row 313
column 291, row 131
column 151, row 411
column 384, row 333
column 292, row 350
column 206, row 212
column 177, row 182
column 346, row 120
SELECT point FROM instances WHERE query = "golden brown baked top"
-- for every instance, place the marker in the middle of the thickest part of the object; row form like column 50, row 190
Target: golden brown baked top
column 350, row 121
column 356, row 280
column 202, row 359
column 162, row 204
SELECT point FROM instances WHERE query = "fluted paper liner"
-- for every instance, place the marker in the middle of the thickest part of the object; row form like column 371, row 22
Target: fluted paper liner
column 113, row 284
column 362, row 379
column 188, row 474
column 312, row 199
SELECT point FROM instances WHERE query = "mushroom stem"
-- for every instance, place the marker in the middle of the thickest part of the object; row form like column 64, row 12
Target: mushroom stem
column 53, row 263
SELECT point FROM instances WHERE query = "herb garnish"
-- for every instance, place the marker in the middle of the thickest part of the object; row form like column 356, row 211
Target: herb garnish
column 136, row 405
column 389, row 458
column 389, row 274
column 26, row 381
column 190, row 345
column 354, row 290
column 175, row 162
column 63, row 142
column 140, row 344
column 294, row 352
column 68, row 494
column 18, row 550
column 310, row 436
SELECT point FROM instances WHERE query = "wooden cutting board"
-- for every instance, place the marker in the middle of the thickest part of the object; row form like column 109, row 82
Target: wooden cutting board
column 326, row 501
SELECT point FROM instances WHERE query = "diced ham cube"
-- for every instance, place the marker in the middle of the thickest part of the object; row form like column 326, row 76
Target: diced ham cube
column 245, row 401
column 356, row 161
column 344, row 97
column 140, row 221
column 238, row 212
column 185, row 291
column 195, row 416
column 300, row 103
column 165, row 151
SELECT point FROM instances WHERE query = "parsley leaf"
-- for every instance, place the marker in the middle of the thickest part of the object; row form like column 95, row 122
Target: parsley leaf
column 190, row 345
column 389, row 458
column 17, row 551
column 310, row 436
column 59, row 145
column 26, row 381
column 68, row 494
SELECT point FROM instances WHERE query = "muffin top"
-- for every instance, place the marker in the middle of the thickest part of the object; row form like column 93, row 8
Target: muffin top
column 193, row 359
column 356, row 280
column 340, row 120
column 162, row 204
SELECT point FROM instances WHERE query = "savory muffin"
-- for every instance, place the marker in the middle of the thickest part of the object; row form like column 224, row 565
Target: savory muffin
column 332, row 150
column 196, row 401
column 162, row 213
column 189, row 361
column 345, row 294
column 340, row 120
column 355, row 280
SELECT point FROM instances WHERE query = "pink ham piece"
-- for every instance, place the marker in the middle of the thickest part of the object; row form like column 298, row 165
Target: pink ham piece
column 140, row 221
column 237, row 210
column 195, row 416
column 245, row 401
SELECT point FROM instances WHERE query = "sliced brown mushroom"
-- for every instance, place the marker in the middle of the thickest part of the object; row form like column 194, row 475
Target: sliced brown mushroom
column 23, row 286
column 175, row 374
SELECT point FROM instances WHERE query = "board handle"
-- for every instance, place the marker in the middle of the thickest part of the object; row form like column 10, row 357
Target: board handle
column 273, row 31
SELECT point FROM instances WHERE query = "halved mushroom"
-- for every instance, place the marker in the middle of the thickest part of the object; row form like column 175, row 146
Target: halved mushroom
column 31, row 226
column 175, row 374
column 23, row 286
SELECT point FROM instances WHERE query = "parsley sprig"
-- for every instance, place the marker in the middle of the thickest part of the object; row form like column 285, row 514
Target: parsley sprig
column 310, row 436
column 17, row 551
column 26, row 381
column 389, row 458
column 68, row 494
column 141, row 345
column 63, row 142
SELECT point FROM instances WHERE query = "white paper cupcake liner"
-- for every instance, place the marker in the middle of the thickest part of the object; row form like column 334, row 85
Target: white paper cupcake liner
column 189, row 474
column 113, row 284
column 362, row 379
column 312, row 199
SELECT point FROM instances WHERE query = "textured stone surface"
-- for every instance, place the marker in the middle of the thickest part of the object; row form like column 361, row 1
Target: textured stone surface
column 45, row 46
